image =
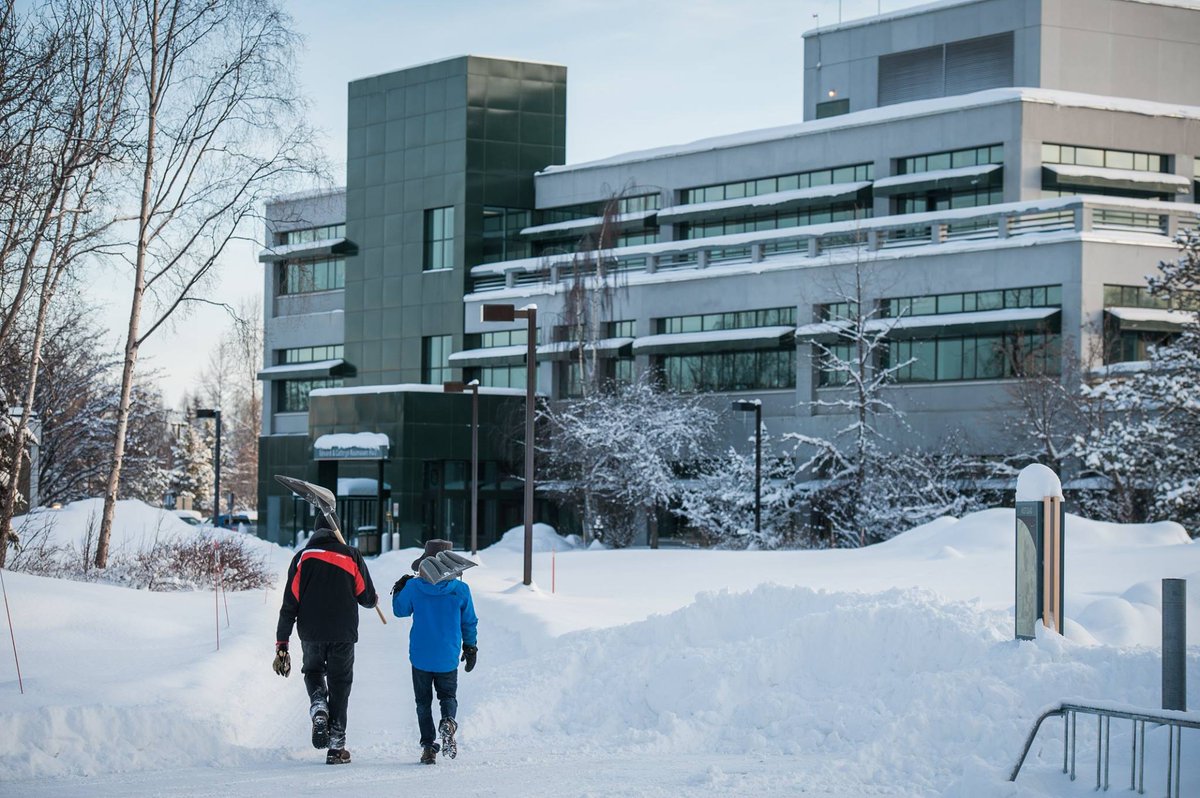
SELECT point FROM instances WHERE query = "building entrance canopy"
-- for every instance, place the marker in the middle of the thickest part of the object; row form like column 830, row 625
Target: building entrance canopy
column 352, row 446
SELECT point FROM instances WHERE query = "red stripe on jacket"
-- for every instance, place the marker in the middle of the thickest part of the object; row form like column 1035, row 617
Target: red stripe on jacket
column 346, row 563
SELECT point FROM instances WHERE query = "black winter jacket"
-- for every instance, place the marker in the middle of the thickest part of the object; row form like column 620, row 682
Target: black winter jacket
column 326, row 583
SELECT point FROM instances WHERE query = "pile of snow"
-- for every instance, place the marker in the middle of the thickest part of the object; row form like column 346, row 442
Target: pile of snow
column 886, row 670
column 545, row 539
column 136, row 527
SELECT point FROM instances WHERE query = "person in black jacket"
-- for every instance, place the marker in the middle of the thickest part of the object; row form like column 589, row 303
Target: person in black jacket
column 326, row 583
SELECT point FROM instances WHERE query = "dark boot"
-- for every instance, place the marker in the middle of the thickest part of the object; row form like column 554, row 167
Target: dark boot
column 337, row 756
column 446, row 729
column 320, row 728
column 429, row 754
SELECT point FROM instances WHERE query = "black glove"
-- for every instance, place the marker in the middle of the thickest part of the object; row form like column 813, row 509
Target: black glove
column 283, row 660
column 468, row 656
column 396, row 588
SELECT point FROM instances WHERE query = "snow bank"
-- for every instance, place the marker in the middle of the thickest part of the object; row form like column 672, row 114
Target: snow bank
column 136, row 525
column 897, row 688
column 545, row 539
column 886, row 670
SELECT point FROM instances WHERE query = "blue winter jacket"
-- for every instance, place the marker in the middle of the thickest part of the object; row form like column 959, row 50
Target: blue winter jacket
column 443, row 619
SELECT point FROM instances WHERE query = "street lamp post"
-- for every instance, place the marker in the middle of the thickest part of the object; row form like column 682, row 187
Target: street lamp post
column 203, row 412
column 473, row 387
column 747, row 405
column 510, row 313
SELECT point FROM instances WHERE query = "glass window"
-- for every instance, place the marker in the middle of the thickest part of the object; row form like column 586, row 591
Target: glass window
column 308, row 276
column 439, row 238
column 1112, row 159
column 945, row 160
column 769, row 185
column 291, row 396
column 309, row 354
column 435, row 359
column 730, row 371
column 950, row 359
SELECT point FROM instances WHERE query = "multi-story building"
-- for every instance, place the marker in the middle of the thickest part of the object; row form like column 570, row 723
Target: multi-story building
column 989, row 181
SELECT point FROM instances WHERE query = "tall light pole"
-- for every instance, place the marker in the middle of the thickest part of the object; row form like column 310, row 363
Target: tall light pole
column 747, row 405
column 509, row 313
column 473, row 387
column 203, row 412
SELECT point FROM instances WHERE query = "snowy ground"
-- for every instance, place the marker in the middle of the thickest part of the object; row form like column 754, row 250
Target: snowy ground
column 885, row 671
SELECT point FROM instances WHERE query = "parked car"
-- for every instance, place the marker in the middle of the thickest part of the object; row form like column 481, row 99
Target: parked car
column 189, row 517
column 239, row 519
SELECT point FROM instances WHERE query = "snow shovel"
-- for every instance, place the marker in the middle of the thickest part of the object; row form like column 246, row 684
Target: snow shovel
column 324, row 500
column 443, row 566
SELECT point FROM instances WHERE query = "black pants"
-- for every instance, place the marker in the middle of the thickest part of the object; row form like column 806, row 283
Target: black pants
column 328, row 673
column 447, row 692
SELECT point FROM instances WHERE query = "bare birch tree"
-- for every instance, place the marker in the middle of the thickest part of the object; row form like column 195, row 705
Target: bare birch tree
column 58, row 144
column 222, row 128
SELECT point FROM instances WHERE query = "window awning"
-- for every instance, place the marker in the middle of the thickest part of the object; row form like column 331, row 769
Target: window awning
column 565, row 350
column 300, row 371
column 713, row 341
column 960, row 177
column 490, row 356
column 778, row 201
column 623, row 221
column 1128, row 179
column 1150, row 319
column 980, row 322
column 308, row 249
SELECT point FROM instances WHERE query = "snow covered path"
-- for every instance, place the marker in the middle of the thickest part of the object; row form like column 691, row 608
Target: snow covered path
column 887, row 671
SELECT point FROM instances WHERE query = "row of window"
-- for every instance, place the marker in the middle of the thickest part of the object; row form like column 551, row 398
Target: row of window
column 307, row 276
column 611, row 371
column 1139, row 296
column 635, row 203
column 975, row 357
column 729, row 371
column 737, row 320
column 770, row 185
column 970, row 301
column 947, row 199
column 310, row 234
column 309, row 354
column 842, row 212
column 1112, row 159
column 972, row 156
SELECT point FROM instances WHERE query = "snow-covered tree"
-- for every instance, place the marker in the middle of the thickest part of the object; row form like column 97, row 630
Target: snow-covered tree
column 1148, row 438
column 623, row 448
column 192, row 461
column 845, row 476
column 719, row 502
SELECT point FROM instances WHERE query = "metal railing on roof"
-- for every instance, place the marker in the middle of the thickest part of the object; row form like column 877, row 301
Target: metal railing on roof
column 1080, row 214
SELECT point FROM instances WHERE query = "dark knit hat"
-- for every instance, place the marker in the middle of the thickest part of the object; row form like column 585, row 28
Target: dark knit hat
column 432, row 547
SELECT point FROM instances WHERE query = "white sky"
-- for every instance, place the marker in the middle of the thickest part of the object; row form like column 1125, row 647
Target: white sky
column 640, row 74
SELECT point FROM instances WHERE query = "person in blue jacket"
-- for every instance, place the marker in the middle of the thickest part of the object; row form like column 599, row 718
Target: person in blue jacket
column 443, row 625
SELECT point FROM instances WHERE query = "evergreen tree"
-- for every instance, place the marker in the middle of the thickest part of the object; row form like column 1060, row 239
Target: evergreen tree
column 192, row 462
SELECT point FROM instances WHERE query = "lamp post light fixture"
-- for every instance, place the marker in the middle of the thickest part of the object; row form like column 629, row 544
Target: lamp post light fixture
column 207, row 412
column 746, row 405
column 529, row 313
column 473, row 387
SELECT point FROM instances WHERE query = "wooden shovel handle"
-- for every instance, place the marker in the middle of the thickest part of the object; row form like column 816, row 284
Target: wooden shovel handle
column 337, row 533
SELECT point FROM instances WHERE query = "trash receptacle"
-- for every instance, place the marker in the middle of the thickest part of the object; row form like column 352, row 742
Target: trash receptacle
column 366, row 539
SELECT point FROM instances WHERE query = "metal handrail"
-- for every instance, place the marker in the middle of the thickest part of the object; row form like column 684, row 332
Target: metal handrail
column 1175, row 722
